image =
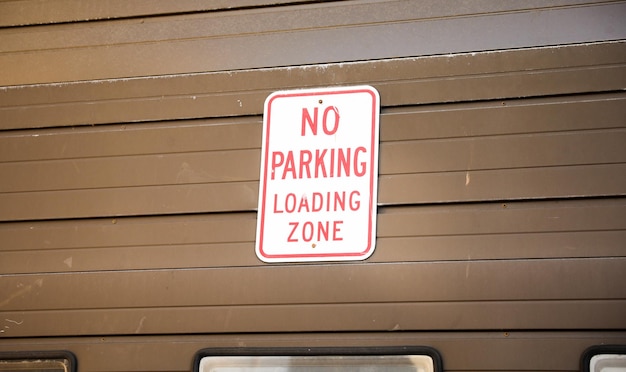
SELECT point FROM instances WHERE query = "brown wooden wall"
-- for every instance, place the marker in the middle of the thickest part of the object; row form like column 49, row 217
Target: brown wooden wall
column 130, row 137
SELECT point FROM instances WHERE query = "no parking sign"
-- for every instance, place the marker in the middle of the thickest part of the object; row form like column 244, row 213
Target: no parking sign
column 319, row 175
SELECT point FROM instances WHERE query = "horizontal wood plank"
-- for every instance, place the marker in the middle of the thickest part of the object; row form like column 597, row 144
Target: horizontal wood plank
column 489, row 218
column 184, row 136
column 406, row 157
column 568, row 182
column 429, row 154
column 434, row 233
column 131, row 171
column 504, row 117
column 519, row 151
column 454, row 78
column 436, row 121
column 476, row 64
column 503, row 185
column 35, row 12
column 259, row 45
column 240, row 254
column 434, row 296
column 27, row 12
column 406, row 316
column 114, row 202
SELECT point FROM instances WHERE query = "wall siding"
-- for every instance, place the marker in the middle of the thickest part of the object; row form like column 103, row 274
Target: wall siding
column 129, row 167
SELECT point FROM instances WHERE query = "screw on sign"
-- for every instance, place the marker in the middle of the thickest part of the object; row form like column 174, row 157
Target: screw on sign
column 319, row 175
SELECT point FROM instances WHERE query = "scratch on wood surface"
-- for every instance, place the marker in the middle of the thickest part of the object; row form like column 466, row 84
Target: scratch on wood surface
column 22, row 291
column 140, row 326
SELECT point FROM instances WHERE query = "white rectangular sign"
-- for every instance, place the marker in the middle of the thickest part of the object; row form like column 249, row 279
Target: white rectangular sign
column 319, row 175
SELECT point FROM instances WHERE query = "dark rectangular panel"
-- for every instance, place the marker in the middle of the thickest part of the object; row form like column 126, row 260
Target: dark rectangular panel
column 461, row 351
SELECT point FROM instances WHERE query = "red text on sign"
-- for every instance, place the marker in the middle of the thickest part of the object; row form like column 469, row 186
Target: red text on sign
column 324, row 163
column 330, row 201
column 315, row 231
column 326, row 125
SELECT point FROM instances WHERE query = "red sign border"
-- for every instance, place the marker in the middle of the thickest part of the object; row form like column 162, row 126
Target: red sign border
column 371, row 243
